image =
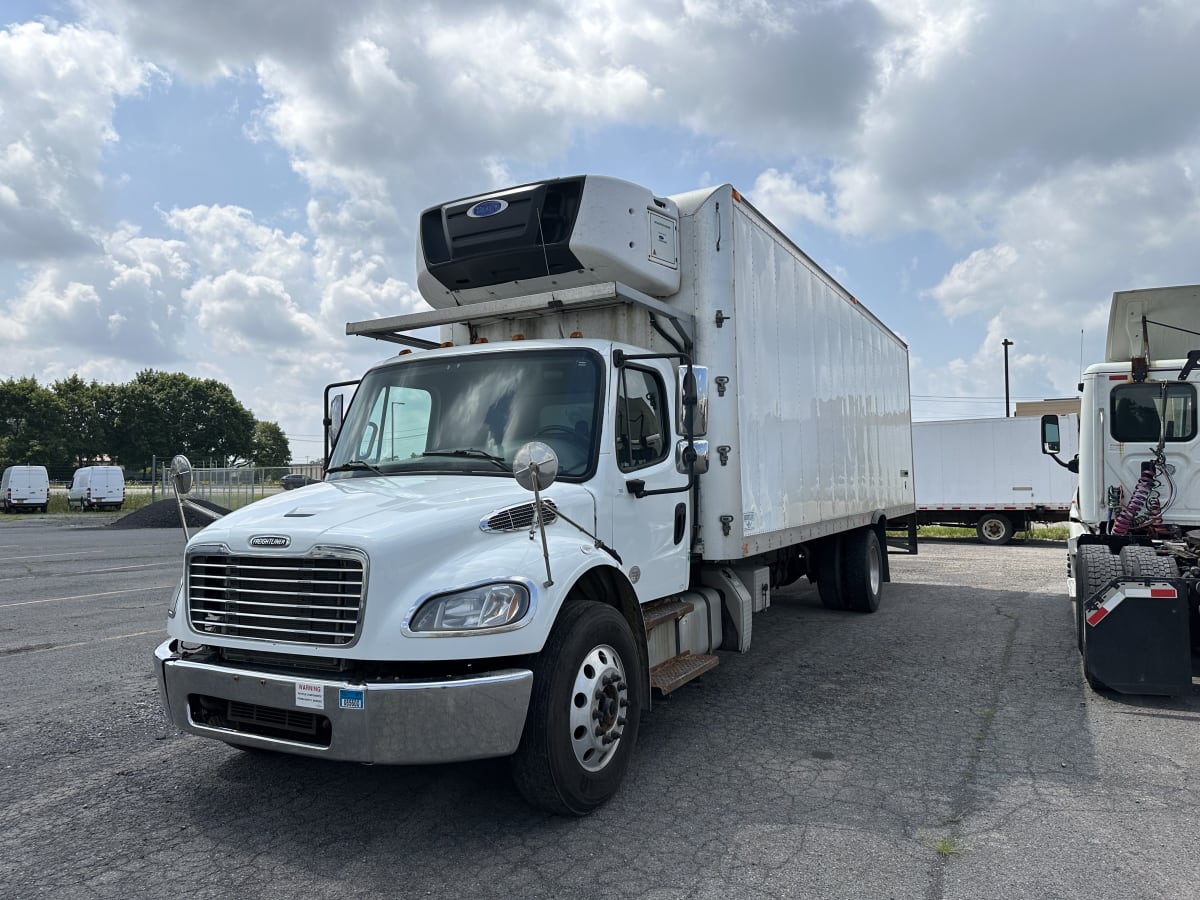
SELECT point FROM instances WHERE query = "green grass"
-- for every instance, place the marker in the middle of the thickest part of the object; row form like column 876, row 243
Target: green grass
column 133, row 500
column 947, row 846
column 1055, row 532
column 139, row 497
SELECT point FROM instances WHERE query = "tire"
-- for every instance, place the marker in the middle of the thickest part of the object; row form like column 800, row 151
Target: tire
column 862, row 570
column 829, row 572
column 994, row 528
column 584, row 712
column 1094, row 568
column 1142, row 562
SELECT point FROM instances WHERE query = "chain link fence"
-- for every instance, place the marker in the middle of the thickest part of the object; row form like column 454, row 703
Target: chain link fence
column 239, row 486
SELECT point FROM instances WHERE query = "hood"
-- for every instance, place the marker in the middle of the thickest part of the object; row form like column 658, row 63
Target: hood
column 367, row 512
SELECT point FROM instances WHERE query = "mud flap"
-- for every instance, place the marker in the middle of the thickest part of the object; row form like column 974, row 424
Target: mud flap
column 1137, row 639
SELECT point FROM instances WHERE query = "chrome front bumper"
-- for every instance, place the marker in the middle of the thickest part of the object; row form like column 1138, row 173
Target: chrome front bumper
column 400, row 723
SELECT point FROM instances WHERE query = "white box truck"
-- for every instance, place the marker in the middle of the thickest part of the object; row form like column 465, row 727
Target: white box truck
column 989, row 474
column 646, row 413
column 1134, row 551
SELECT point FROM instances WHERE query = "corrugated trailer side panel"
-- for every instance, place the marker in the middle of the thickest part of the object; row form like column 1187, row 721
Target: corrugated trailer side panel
column 822, row 434
column 812, row 360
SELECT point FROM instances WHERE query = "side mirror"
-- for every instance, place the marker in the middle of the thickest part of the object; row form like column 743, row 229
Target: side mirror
column 535, row 466
column 1051, row 439
column 693, row 395
column 337, row 414
column 181, row 474
column 334, row 414
column 700, row 461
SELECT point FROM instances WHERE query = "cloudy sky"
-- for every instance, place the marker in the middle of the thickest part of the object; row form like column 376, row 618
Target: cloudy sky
column 217, row 187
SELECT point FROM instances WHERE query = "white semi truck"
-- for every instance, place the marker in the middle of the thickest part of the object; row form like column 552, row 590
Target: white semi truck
column 1134, row 550
column 988, row 474
column 646, row 413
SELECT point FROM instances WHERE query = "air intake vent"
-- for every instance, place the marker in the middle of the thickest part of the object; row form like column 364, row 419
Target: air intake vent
column 517, row 518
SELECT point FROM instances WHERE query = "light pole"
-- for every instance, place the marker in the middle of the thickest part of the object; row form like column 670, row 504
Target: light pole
column 1007, row 343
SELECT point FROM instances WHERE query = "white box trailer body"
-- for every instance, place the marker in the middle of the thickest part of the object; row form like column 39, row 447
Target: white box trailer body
column 990, row 474
column 713, row 416
column 1134, row 549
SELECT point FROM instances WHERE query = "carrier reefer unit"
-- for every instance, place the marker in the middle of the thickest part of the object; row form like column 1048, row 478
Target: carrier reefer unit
column 646, row 413
column 1134, row 551
column 989, row 474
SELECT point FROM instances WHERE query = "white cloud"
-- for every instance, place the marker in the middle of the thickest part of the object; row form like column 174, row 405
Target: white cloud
column 58, row 89
column 1046, row 153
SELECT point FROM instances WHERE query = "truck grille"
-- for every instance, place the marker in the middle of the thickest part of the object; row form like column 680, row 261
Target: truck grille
column 301, row 600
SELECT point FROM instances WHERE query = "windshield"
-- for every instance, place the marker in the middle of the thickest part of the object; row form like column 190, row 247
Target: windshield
column 471, row 413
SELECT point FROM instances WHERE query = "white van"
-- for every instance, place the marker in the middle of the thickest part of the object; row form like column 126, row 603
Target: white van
column 97, row 487
column 25, row 487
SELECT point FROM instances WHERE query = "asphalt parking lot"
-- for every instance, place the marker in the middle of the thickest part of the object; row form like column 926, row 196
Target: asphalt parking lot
column 945, row 747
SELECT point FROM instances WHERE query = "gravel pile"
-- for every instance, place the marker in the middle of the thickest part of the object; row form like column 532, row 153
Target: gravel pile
column 165, row 514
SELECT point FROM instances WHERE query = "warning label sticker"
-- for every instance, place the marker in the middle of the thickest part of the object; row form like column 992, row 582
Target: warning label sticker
column 310, row 694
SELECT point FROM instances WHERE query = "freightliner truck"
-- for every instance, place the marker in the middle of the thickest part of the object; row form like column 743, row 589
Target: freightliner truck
column 1134, row 550
column 644, row 414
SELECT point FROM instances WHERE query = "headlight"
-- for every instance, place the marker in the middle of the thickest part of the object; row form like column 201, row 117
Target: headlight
column 485, row 606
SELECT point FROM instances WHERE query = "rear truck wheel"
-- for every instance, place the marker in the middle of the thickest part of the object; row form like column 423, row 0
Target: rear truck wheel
column 584, row 712
column 1094, row 568
column 994, row 528
column 862, row 570
column 829, row 572
column 1142, row 562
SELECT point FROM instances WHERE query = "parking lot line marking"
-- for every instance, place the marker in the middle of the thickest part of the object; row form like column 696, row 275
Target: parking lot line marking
column 151, row 587
column 64, row 555
column 115, row 637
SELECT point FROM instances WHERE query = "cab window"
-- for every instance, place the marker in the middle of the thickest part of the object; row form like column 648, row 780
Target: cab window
column 1141, row 411
column 642, row 417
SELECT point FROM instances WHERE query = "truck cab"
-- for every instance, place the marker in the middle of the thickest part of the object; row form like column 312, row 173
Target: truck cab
column 1138, row 497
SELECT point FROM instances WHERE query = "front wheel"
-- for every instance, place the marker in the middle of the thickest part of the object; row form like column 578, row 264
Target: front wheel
column 583, row 714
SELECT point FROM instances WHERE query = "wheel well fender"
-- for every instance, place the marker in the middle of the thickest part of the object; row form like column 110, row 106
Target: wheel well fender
column 607, row 584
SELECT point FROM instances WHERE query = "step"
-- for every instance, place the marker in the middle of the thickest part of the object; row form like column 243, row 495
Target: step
column 677, row 672
column 665, row 611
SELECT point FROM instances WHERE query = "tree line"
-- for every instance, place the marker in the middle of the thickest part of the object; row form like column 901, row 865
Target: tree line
column 73, row 423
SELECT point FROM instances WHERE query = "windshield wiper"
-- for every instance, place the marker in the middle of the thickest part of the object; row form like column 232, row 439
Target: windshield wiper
column 498, row 461
column 355, row 465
